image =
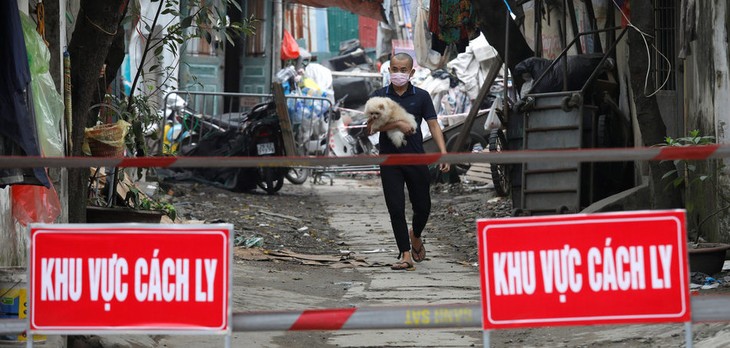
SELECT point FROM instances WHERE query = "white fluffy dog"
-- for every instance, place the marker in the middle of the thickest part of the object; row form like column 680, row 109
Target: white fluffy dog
column 381, row 111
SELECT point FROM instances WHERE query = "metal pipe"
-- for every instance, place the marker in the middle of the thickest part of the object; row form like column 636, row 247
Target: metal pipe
column 603, row 60
column 538, row 28
column 505, row 80
column 12, row 326
column 565, row 50
column 574, row 24
column 564, row 40
column 597, row 46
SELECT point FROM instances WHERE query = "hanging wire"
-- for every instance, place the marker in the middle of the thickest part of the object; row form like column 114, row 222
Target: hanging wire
column 648, row 54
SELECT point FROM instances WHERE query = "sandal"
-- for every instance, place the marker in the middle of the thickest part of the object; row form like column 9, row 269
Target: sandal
column 418, row 254
column 403, row 266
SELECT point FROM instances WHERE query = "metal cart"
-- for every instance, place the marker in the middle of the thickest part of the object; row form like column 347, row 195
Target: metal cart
column 567, row 120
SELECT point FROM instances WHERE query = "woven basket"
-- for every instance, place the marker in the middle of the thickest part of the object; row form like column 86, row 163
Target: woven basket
column 107, row 140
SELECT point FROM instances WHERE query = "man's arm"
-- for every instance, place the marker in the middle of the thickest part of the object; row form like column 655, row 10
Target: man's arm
column 401, row 125
column 438, row 137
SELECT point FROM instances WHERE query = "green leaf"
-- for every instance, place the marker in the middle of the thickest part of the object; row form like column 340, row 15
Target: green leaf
column 235, row 4
column 677, row 182
column 669, row 173
column 185, row 22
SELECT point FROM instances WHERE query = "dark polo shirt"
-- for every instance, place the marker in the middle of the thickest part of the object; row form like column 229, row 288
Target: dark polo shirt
column 418, row 103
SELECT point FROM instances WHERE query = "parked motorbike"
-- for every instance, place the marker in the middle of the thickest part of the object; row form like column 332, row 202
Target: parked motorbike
column 262, row 130
column 256, row 133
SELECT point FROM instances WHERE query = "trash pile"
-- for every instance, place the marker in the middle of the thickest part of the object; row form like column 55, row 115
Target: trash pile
column 452, row 87
column 700, row 281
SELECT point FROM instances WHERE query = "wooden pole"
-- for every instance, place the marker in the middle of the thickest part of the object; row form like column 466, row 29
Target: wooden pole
column 284, row 122
column 494, row 65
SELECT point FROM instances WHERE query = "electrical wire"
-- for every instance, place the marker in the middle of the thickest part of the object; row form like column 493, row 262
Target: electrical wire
column 508, row 7
column 648, row 54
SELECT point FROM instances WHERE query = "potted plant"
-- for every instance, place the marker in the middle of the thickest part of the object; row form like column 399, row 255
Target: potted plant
column 698, row 182
column 128, row 203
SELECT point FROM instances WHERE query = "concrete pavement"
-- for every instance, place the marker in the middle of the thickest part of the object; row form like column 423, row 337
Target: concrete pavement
column 358, row 210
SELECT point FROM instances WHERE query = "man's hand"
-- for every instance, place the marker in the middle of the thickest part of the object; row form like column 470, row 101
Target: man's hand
column 438, row 137
column 406, row 128
column 400, row 125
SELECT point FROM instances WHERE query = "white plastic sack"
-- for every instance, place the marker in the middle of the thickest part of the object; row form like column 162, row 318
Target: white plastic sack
column 321, row 75
column 493, row 121
column 467, row 69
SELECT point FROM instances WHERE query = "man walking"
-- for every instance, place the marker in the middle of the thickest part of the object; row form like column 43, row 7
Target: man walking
column 415, row 177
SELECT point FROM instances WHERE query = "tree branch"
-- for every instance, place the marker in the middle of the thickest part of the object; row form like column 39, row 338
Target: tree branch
column 130, row 98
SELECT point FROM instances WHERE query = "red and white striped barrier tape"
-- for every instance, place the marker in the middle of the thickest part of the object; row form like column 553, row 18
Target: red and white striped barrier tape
column 359, row 126
column 704, row 309
column 400, row 317
column 463, row 114
column 440, row 116
column 524, row 156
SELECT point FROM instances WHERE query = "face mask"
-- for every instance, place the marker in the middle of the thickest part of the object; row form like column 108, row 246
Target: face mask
column 399, row 79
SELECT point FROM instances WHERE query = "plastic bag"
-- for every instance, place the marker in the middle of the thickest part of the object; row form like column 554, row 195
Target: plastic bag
column 289, row 47
column 35, row 204
column 493, row 121
column 320, row 74
column 47, row 102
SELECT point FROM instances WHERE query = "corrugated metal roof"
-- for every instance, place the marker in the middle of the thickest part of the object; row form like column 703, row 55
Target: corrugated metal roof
column 367, row 8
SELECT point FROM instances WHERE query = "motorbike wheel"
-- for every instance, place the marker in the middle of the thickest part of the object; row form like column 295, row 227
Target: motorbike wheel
column 271, row 180
column 500, row 173
column 297, row 176
column 473, row 139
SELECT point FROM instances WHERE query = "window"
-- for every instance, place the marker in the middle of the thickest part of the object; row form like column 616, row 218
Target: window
column 199, row 46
